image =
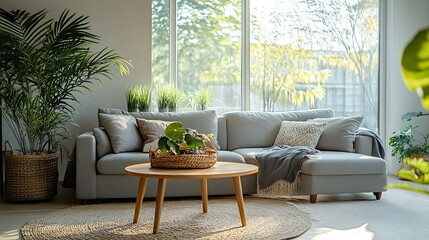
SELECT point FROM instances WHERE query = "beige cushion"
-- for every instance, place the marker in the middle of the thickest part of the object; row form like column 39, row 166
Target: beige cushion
column 151, row 131
column 103, row 142
column 339, row 133
column 299, row 133
column 123, row 132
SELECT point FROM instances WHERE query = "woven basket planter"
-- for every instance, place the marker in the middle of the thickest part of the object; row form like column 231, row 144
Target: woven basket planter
column 31, row 177
column 159, row 159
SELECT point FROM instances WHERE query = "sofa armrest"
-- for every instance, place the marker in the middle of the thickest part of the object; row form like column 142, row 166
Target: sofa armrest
column 363, row 145
column 86, row 166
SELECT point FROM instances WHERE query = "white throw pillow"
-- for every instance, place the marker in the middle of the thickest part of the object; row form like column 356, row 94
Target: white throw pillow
column 299, row 133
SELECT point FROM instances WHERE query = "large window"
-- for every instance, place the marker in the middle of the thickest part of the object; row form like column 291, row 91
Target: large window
column 272, row 55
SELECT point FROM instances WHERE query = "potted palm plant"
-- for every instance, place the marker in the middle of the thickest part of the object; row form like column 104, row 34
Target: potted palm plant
column 43, row 63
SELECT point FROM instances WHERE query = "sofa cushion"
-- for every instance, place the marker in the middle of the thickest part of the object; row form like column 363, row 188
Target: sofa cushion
column 228, row 156
column 151, row 131
column 339, row 133
column 103, row 142
column 123, row 133
column 259, row 129
column 342, row 163
column 116, row 163
column 329, row 162
column 111, row 111
column 294, row 133
column 249, row 154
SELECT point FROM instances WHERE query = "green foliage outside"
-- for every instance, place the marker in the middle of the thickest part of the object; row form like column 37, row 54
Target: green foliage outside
column 284, row 74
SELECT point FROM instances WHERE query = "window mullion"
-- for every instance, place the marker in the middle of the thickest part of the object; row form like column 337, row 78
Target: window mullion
column 173, row 43
column 245, row 55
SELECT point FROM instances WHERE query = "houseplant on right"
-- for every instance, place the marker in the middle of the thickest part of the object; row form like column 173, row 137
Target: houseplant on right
column 410, row 142
column 43, row 63
column 415, row 72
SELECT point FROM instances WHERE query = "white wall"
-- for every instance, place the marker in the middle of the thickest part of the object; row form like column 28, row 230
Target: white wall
column 124, row 26
column 404, row 19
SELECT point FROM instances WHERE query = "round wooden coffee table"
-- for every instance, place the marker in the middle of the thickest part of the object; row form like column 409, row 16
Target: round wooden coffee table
column 219, row 170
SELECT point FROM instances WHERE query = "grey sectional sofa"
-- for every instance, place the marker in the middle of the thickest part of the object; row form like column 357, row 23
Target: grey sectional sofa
column 239, row 136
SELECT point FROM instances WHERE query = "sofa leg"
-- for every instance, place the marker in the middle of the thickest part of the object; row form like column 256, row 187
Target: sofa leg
column 377, row 195
column 313, row 198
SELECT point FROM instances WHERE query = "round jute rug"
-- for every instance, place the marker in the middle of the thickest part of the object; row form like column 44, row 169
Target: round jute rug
column 180, row 219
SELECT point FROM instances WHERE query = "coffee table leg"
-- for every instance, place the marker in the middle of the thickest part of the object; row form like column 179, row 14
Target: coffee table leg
column 204, row 194
column 239, row 198
column 139, row 200
column 159, row 200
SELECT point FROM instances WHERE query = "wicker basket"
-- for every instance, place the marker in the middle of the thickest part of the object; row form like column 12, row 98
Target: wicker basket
column 30, row 177
column 159, row 159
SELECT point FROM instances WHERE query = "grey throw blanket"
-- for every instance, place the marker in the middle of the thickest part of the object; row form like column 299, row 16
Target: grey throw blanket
column 281, row 163
column 377, row 143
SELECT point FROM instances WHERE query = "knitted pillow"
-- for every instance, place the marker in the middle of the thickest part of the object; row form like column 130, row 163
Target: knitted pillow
column 293, row 133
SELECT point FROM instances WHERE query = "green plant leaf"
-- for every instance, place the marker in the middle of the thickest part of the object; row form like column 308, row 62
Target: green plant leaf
column 174, row 145
column 409, row 115
column 193, row 141
column 175, row 131
column 162, row 144
column 415, row 65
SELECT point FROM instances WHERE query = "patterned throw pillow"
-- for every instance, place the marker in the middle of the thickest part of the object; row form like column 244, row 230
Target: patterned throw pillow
column 299, row 133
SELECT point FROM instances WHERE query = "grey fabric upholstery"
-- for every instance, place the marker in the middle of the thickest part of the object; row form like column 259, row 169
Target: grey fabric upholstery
column 259, row 129
column 123, row 132
column 247, row 133
column 103, row 142
column 221, row 132
column 333, row 163
column 339, row 133
column 116, row 163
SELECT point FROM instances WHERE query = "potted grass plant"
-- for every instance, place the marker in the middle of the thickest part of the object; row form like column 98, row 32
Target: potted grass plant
column 162, row 96
column 175, row 97
column 43, row 64
column 133, row 96
column 201, row 98
column 145, row 97
column 139, row 98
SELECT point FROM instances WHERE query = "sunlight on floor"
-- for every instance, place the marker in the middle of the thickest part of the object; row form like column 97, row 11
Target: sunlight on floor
column 360, row 233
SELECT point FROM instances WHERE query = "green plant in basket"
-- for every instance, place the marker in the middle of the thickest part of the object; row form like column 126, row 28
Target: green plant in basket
column 179, row 140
